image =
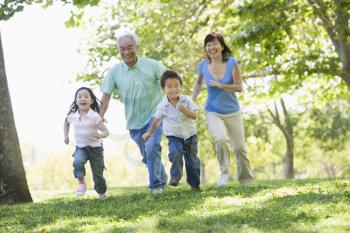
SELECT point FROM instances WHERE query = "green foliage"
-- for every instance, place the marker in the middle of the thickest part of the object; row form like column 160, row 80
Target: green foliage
column 74, row 20
column 281, row 37
column 280, row 40
column 331, row 125
column 278, row 206
column 255, row 126
column 9, row 7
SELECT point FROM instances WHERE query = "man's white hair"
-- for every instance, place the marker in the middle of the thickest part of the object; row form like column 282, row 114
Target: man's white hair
column 128, row 34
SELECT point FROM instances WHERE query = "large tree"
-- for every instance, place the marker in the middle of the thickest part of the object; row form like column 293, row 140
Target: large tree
column 13, row 183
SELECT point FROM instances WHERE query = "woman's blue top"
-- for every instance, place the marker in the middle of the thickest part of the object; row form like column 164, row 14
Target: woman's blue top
column 218, row 100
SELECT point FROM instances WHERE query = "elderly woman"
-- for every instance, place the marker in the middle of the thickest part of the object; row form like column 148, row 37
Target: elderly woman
column 221, row 74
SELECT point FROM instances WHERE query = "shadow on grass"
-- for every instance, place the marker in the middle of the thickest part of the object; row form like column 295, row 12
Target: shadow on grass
column 175, row 210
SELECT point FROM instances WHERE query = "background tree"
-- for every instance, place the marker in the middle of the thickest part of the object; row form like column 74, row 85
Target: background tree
column 286, row 125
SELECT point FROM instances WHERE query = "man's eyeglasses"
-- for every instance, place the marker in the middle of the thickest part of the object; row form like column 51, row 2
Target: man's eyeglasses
column 127, row 49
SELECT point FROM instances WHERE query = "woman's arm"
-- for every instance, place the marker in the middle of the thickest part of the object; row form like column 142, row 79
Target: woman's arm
column 237, row 84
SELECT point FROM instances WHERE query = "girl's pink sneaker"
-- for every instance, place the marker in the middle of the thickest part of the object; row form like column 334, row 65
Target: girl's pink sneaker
column 81, row 189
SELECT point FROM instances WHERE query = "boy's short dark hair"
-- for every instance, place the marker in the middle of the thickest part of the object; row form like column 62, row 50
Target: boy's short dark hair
column 168, row 74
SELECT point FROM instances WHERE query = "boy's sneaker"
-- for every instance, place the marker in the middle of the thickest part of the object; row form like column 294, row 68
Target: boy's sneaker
column 173, row 183
column 197, row 189
column 81, row 189
column 102, row 196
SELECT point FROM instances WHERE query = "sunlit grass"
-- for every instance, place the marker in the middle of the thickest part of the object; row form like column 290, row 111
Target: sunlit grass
column 266, row 206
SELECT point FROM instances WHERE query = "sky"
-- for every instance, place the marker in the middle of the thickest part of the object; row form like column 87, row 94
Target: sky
column 41, row 61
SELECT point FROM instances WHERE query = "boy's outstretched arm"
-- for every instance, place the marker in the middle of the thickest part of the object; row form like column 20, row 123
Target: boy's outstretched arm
column 66, row 131
column 154, row 126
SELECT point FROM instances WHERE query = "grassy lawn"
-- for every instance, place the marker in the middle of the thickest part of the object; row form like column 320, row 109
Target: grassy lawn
column 267, row 206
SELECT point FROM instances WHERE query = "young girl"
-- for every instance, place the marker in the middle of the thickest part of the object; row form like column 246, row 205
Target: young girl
column 178, row 113
column 89, row 129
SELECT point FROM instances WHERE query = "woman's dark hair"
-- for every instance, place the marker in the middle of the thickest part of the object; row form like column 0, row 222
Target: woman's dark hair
column 211, row 37
column 96, row 103
column 169, row 74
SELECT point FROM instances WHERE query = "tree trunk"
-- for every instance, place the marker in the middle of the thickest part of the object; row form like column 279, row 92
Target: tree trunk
column 344, row 55
column 13, row 183
column 346, row 78
column 203, row 173
column 289, row 136
column 287, row 130
column 289, row 159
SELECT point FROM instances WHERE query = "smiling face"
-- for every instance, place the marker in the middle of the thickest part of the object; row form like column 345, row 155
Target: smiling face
column 214, row 49
column 83, row 100
column 172, row 88
column 127, row 50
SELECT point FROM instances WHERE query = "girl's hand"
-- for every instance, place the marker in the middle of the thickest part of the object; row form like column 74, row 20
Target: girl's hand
column 66, row 141
column 215, row 83
column 97, row 135
column 146, row 136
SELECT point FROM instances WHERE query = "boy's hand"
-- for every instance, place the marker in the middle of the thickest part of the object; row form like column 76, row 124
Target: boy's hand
column 66, row 140
column 146, row 136
column 180, row 107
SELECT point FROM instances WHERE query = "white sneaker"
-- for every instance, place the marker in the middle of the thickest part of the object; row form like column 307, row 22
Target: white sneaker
column 223, row 180
column 81, row 189
column 102, row 196
column 157, row 190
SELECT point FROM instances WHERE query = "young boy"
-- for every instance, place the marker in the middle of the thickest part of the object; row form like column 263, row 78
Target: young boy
column 178, row 113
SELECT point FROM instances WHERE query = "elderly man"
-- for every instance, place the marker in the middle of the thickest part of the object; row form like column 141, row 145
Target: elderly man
column 136, row 82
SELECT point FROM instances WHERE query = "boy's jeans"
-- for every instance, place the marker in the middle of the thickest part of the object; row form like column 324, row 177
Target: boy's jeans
column 178, row 148
column 151, row 154
column 95, row 156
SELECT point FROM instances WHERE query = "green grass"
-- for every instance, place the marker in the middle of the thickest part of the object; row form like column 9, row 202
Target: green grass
column 267, row 206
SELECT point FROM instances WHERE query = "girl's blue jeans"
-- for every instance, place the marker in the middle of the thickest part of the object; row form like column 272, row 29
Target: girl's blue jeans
column 95, row 156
